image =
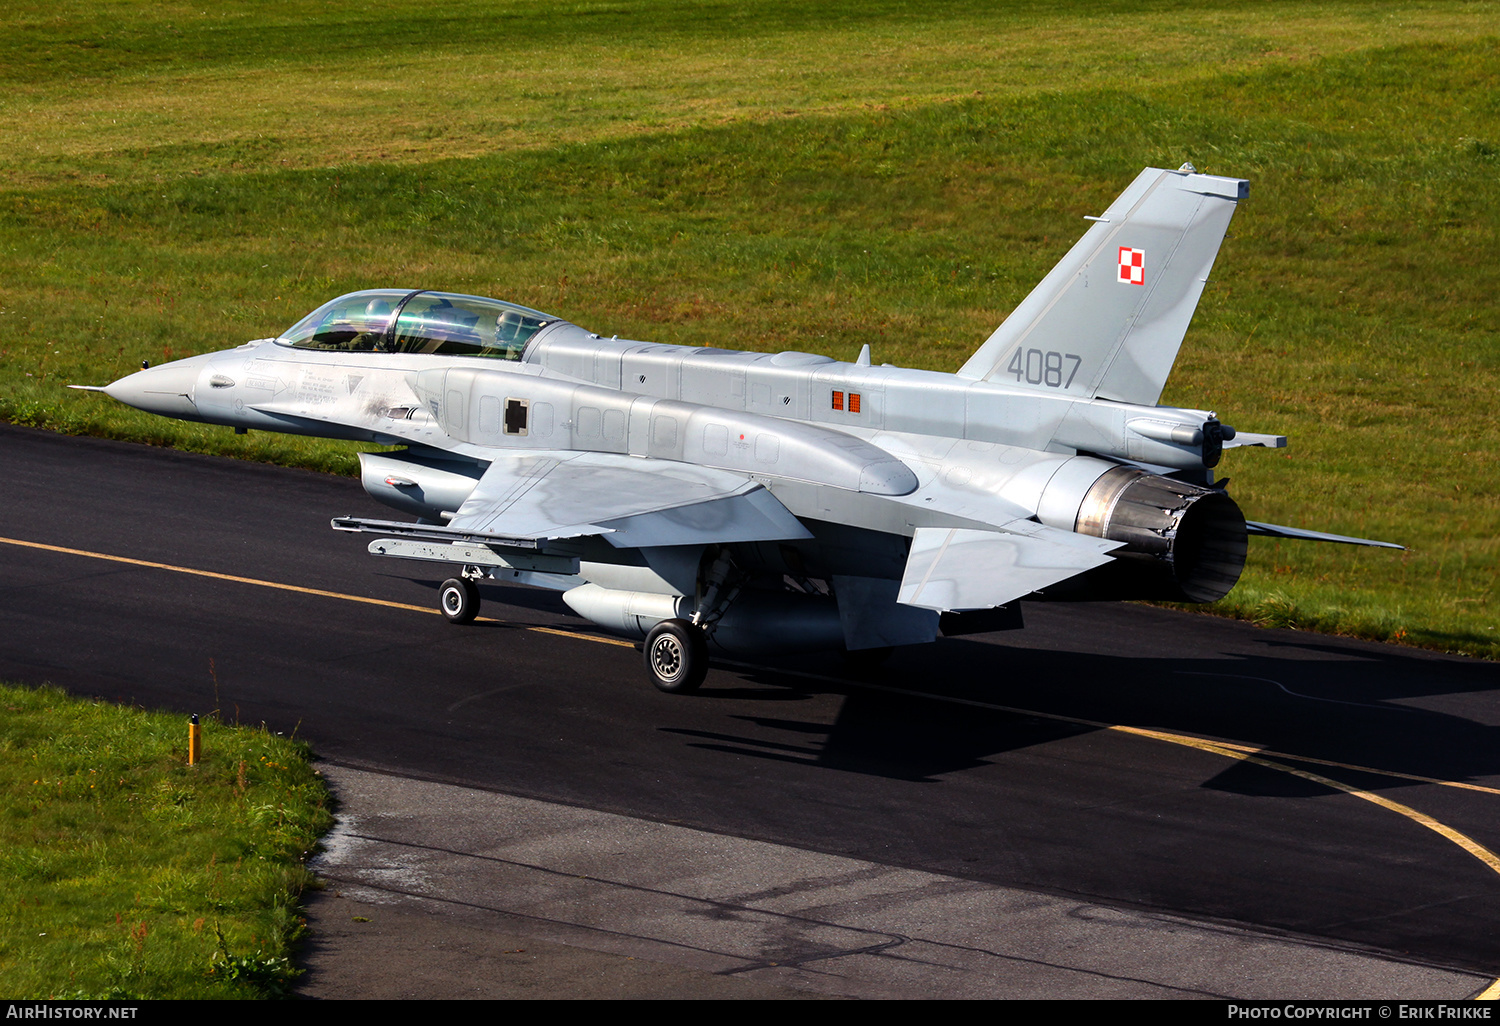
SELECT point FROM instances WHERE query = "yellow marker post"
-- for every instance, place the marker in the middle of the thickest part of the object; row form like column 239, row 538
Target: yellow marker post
column 195, row 741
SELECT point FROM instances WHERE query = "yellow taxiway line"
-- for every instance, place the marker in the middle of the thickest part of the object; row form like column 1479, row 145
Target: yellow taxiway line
column 292, row 587
column 1465, row 842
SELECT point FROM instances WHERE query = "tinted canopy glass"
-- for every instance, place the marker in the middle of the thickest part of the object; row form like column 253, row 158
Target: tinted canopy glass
column 396, row 321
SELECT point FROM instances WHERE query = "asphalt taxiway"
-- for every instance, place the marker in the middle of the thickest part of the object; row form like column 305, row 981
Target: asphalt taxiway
column 1116, row 800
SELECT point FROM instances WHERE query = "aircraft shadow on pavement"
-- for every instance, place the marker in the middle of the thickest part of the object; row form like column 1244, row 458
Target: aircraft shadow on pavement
column 953, row 705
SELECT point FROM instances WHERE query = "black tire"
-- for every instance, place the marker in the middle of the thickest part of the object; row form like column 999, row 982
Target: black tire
column 458, row 599
column 676, row 654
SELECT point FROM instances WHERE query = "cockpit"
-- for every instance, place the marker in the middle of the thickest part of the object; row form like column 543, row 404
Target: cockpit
column 401, row 321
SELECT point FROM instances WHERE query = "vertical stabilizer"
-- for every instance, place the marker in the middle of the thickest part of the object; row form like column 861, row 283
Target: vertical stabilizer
column 1108, row 320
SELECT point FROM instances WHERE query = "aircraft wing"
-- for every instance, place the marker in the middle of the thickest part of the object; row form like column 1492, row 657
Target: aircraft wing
column 631, row 501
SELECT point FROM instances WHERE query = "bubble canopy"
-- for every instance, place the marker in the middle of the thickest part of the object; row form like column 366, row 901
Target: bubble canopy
column 402, row 321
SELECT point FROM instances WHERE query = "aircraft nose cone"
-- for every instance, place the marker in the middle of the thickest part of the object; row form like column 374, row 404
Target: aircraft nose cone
column 166, row 390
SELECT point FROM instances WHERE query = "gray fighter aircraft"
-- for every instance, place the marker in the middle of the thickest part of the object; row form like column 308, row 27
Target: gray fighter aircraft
column 755, row 502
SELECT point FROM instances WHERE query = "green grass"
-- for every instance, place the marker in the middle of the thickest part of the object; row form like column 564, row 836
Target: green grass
column 786, row 175
column 129, row 874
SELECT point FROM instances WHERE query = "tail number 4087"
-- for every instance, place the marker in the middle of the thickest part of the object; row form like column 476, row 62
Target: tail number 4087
column 1044, row 368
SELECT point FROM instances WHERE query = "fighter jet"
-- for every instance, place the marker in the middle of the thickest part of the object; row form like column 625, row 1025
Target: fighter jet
column 749, row 503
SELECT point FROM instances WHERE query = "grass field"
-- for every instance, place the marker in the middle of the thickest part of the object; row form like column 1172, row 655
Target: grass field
column 129, row 874
column 814, row 176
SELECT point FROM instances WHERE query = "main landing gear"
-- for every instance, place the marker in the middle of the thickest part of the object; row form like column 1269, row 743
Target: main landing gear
column 676, row 653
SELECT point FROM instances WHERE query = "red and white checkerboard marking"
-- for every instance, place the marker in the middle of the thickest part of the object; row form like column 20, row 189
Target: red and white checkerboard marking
column 1132, row 266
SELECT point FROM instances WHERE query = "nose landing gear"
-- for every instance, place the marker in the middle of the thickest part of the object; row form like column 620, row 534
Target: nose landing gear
column 459, row 600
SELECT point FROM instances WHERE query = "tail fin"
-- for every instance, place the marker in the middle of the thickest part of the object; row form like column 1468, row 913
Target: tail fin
column 1108, row 320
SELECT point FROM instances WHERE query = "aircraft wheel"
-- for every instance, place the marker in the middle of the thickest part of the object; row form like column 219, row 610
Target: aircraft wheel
column 459, row 600
column 676, row 656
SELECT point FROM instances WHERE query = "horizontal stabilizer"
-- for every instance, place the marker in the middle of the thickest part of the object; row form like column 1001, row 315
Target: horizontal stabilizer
column 958, row 569
column 1242, row 439
column 1277, row 531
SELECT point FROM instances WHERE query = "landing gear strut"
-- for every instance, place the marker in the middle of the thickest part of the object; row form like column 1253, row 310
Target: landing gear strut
column 676, row 655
